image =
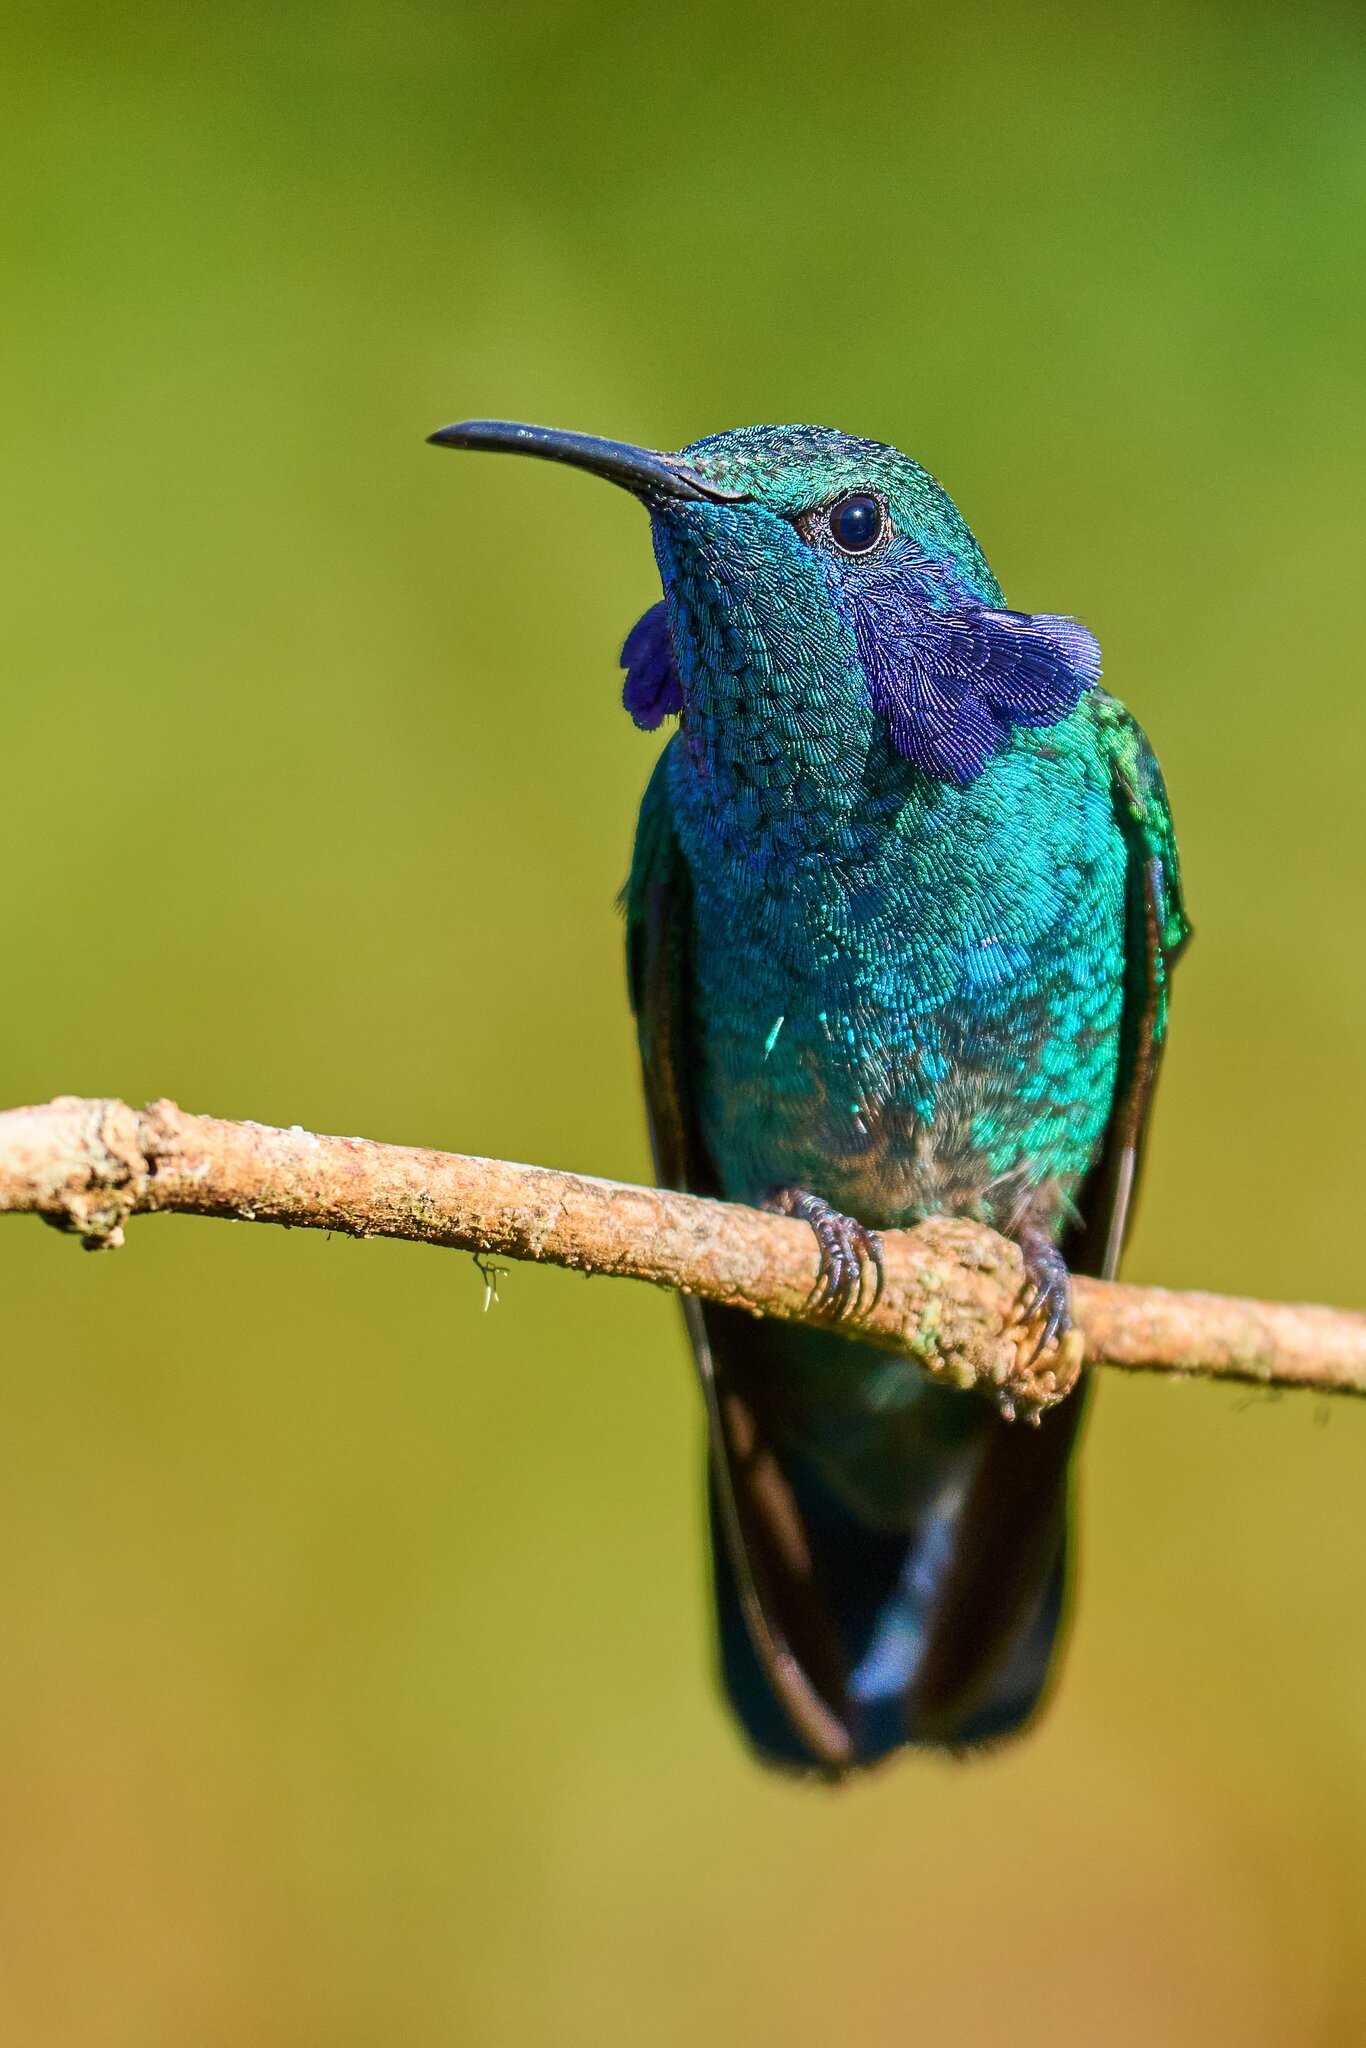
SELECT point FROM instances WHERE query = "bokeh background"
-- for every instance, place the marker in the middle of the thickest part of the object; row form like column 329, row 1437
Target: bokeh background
column 354, row 1653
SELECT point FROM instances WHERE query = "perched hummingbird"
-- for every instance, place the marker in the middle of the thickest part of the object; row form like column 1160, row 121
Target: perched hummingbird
column 901, row 919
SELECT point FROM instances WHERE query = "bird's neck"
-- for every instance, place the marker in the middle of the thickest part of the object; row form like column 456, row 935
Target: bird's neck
column 779, row 734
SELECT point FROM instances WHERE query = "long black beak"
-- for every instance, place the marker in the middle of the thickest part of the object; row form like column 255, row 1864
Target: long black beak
column 642, row 470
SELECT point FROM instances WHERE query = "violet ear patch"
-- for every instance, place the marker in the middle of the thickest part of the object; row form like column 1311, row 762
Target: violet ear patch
column 953, row 684
column 652, row 691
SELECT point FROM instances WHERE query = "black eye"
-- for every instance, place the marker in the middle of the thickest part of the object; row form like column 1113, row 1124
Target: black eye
column 856, row 522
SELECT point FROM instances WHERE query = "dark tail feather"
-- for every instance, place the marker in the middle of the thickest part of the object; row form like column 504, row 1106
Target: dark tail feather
column 878, row 1618
column 936, row 1626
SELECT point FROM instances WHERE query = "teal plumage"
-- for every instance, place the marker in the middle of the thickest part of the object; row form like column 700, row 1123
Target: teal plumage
column 931, row 1023
column 901, row 919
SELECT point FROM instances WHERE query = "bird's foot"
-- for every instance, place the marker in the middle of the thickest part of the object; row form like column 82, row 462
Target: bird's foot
column 1045, row 1318
column 849, row 1252
column 1047, row 1304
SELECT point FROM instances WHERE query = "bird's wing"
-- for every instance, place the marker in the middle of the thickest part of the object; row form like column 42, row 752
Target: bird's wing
column 1014, row 1517
column 1157, row 931
column 659, row 942
column 759, row 1520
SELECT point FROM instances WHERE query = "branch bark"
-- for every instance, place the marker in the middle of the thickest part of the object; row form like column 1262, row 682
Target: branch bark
column 951, row 1299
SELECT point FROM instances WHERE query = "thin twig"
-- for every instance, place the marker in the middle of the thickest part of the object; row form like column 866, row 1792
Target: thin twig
column 950, row 1300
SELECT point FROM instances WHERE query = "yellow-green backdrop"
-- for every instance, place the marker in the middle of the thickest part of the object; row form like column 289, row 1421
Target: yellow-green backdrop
column 354, row 1656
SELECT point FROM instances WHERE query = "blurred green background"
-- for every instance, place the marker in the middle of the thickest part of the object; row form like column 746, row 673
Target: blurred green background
column 354, row 1653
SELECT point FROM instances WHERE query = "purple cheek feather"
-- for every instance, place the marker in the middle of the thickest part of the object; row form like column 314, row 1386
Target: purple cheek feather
column 951, row 684
column 652, row 690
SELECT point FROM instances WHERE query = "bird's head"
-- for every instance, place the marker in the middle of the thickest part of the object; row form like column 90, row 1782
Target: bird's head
column 820, row 589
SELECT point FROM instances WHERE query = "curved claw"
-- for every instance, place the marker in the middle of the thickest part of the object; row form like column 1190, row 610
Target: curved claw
column 847, row 1249
column 1050, row 1290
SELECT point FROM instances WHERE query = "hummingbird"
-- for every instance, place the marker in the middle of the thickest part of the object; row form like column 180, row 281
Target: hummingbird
column 901, row 920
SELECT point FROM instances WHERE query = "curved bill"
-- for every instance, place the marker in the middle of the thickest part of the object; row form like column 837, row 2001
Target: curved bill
column 642, row 470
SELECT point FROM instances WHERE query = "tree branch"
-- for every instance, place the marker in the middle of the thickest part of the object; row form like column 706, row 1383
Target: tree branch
column 951, row 1298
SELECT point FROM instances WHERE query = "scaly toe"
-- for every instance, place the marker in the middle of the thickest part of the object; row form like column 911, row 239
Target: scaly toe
column 847, row 1249
column 870, row 1250
column 1049, row 1293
